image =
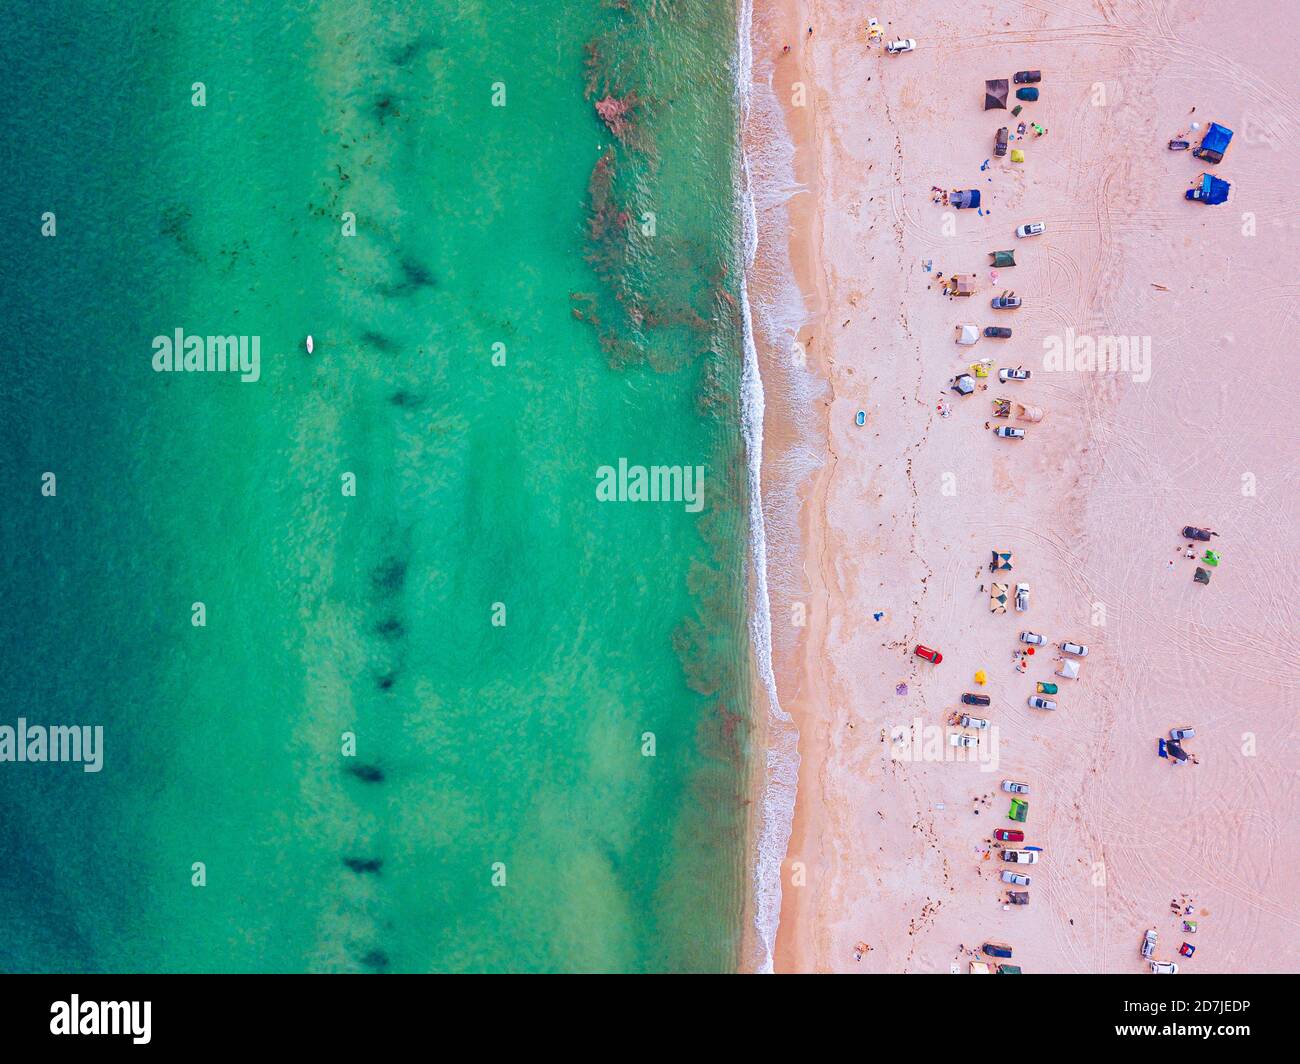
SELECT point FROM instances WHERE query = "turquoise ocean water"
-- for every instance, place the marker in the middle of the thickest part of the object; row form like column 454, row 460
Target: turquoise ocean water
column 499, row 812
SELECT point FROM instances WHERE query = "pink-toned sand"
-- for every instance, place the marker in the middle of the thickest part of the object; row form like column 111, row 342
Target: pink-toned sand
column 904, row 512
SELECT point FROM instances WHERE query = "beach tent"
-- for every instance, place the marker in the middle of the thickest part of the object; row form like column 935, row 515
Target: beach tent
column 963, row 385
column 961, row 284
column 1017, row 155
column 1201, row 576
column 1210, row 558
column 1068, row 669
column 1211, row 191
column 979, row 968
column 1012, row 969
column 1019, row 810
column 1032, row 414
column 1002, row 259
column 995, row 94
column 1001, row 561
column 1176, row 752
column 968, row 334
column 998, row 598
column 1015, row 897
column 1213, row 144
column 964, row 198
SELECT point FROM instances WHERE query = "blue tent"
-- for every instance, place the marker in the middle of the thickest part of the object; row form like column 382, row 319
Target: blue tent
column 965, row 198
column 1214, row 143
column 1211, row 190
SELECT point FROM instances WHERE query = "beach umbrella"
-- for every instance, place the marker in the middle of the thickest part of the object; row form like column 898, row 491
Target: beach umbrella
column 981, row 678
column 995, row 94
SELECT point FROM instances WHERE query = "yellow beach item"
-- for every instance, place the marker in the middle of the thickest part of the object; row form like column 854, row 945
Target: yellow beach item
column 1017, row 156
column 981, row 678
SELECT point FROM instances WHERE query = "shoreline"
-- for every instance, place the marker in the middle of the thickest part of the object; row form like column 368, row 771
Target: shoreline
column 774, row 23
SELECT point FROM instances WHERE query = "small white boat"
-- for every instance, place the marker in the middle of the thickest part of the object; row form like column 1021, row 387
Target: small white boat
column 310, row 344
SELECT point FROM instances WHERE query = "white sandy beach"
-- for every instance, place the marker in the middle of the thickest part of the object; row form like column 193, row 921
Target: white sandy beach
column 903, row 512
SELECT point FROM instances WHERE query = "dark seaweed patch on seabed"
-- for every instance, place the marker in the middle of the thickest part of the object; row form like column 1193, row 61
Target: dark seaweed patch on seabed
column 367, row 773
column 175, row 225
column 389, row 576
column 362, row 865
column 384, row 108
column 415, row 276
column 404, row 54
column 378, row 341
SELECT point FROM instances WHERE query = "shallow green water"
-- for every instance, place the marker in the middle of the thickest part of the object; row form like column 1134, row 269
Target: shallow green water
column 514, row 748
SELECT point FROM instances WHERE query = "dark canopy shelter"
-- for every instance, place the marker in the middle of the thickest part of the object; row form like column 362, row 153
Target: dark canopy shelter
column 1214, row 143
column 1003, row 259
column 1202, row 576
column 1211, row 190
column 995, row 94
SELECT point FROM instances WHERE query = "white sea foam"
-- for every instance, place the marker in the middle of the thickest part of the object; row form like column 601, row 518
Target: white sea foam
column 766, row 183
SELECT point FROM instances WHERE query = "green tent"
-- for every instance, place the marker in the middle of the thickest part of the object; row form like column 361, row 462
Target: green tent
column 1002, row 259
column 1202, row 576
column 1019, row 810
column 1210, row 558
column 1009, row 969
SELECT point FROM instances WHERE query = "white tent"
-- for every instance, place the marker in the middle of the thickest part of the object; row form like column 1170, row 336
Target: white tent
column 968, row 334
column 1069, row 669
